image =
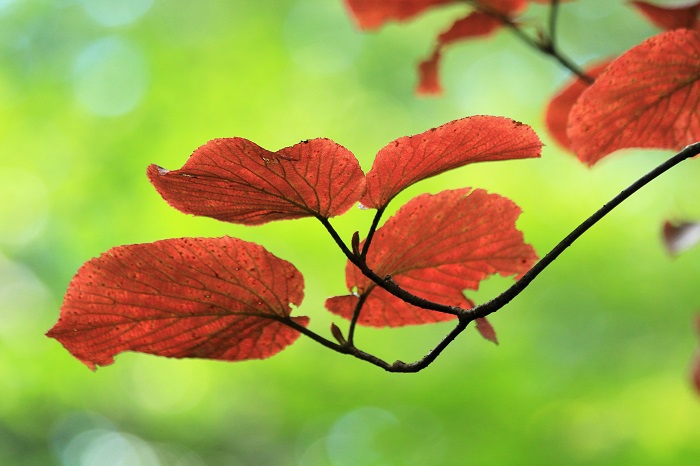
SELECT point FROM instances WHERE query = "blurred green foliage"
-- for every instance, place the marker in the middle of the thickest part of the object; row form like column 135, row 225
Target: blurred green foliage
column 592, row 365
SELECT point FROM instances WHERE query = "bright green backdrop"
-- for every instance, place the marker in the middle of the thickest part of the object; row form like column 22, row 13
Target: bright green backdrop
column 593, row 362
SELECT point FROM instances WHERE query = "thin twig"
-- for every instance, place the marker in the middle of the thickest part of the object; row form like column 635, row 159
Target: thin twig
column 545, row 45
column 372, row 230
column 311, row 334
column 355, row 316
column 553, row 17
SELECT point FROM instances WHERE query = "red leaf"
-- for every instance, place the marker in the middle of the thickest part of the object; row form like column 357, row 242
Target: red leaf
column 428, row 76
column 559, row 108
column 476, row 24
column 505, row 7
column 670, row 17
column 372, row 14
column 680, row 236
column 235, row 180
column 435, row 247
column 215, row 298
column 486, row 330
column 410, row 159
column 648, row 97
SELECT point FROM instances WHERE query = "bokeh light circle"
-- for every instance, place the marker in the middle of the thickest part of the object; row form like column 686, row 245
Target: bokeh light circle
column 110, row 77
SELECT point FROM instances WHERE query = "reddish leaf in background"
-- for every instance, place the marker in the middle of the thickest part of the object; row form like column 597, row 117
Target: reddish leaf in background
column 504, row 7
column 428, row 75
column 372, row 14
column 670, row 17
column 435, row 247
column 410, row 159
column 649, row 97
column 214, row 298
column 235, row 180
column 680, row 236
column 476, row 24
column 559, row 108
column 482, row 21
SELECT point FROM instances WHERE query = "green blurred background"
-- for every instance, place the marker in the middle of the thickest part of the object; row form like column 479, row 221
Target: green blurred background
column 594, row 356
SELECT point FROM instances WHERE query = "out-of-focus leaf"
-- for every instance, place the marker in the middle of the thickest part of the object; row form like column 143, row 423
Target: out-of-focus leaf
column 429, row 75
column 668, row 17
column 680, row 236
column 559, row 108
column 372, row 14
column 476, row 24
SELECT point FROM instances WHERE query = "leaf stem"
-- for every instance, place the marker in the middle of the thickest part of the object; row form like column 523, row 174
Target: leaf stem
column 372, row 230
column 355, row 316
column 311, row 334
column 347, row 348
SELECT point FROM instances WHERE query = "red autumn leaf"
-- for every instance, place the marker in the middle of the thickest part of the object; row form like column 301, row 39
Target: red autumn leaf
column 410, row 159
column 482, row 21
column 670, row 17
column 214, row 298
column 235, row 180
column 435, row 247
column 428, row 75
column 680, row 236
column 559, row 108
column 476, row 24
column 504, row 7
column 372, row 14
column 649, row 97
